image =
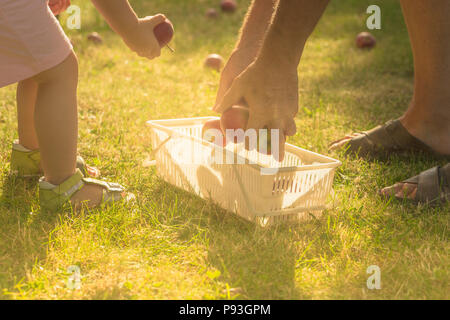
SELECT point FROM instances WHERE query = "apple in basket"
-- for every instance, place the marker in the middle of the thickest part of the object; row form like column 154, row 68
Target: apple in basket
column 211, row 132
column 234, row 118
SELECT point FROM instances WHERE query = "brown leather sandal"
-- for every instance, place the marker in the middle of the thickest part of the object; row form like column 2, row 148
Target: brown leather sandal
column 432, row 187
column 392, row 137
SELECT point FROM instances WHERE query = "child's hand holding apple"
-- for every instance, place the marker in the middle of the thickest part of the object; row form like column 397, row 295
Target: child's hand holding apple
column 150, row 34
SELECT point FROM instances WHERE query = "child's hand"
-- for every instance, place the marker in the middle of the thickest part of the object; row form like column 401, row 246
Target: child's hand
column 142, row 40
column 58, row 6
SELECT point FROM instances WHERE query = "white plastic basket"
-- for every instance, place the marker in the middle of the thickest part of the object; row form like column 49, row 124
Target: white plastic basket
column 263, row 191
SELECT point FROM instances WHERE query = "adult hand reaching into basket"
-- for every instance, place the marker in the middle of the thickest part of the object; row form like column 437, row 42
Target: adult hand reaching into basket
column 262, row 72
column 272, row 100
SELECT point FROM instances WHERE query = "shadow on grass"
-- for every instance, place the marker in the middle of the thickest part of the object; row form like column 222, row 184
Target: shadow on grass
column 24, row 232
column 267, row 263
column 255, row 262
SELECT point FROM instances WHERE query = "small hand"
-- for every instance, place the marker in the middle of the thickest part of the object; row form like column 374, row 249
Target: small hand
column 271, row 94
column 142, row 40
column 58, row 6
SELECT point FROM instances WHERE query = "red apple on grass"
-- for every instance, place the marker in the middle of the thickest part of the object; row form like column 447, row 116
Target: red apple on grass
column 228, row 5
column 365, row 40
column 164, row 32
column 214, row 61
column 212, row 13
column 95, row 38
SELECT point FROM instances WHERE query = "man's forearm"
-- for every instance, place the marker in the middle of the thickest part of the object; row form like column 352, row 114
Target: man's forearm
column 291, row 26
column 118, row 14
column 256, row 24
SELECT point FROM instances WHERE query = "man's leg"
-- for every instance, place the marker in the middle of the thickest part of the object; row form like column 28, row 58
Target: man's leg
column 428, row 117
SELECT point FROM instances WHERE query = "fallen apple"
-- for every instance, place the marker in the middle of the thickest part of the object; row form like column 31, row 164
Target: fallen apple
column 228, row 5
column 95, row 38
column 365, row 40
column 164, row 32
column 212, row 13
column 214, row 61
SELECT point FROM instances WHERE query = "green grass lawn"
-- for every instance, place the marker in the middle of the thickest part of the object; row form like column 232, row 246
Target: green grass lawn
column 173, row 245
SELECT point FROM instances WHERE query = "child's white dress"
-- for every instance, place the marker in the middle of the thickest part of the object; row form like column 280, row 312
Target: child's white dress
column 31, row 40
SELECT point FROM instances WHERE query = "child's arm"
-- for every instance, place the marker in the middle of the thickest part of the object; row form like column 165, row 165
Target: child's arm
column 136, row 33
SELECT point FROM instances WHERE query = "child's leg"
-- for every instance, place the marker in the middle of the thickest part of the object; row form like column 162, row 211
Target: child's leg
column 26, row 102
column 57, row 126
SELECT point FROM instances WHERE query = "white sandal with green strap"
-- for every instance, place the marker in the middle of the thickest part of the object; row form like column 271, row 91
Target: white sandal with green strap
column 26, row 163
column 55, row 197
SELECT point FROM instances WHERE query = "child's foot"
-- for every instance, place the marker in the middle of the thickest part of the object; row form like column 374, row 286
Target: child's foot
column 92, row 195
column 27, row 163
column 80, row 191
column 89, row 195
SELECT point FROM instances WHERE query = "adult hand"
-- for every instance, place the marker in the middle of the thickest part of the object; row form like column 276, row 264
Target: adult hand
column 142, row 39
column 58, row 6
column 270, row 90
column 239, row 60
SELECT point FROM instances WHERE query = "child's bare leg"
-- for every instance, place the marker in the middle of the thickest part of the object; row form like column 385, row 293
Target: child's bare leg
column 56, row 123
column 26, row 102
column 56, row 119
